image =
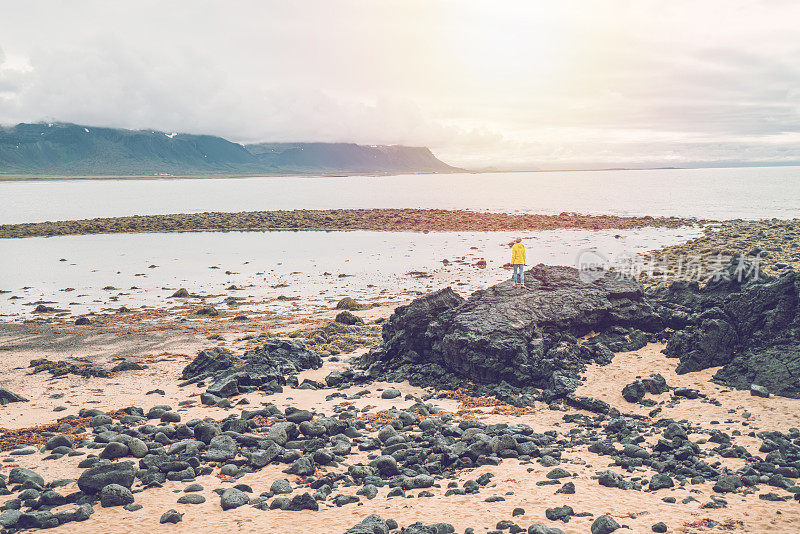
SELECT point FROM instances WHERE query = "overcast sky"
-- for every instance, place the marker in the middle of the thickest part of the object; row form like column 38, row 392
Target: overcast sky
column 548, row 84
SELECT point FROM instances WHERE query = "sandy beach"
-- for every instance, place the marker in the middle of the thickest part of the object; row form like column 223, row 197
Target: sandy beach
column 163, row 352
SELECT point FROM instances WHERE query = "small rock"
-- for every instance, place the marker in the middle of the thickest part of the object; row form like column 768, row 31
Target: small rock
column 171, row 516
column 233, row 498
column 390, row 394
column 114, row 450
column 557, row 473
column 20, row 475
column 567, row 489
column 562, row 513
column 58, row 441
column 348, row 303
column 661, row 481
column 605, row 524
column 7, row 397
column 126, row 365
column 115, row 495
column 345, row 317
column 137, row 448
column 280, row 487
column 96, row 478
column 303, row 501
column 191, row 498
column 727, row 484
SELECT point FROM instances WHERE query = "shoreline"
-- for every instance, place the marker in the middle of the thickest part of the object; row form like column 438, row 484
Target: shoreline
column 405, row 220
column 344, row 174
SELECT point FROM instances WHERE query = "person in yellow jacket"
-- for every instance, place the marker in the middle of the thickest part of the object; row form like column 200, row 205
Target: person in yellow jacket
column 518, row 262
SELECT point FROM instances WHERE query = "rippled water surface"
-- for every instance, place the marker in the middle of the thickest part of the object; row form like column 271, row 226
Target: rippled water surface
column 758, row 192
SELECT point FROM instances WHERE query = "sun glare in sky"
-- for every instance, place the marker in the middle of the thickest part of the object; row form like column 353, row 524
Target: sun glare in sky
column 522, row 84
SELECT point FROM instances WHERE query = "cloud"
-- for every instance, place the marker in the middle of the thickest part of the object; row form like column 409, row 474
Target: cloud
column 522, row 83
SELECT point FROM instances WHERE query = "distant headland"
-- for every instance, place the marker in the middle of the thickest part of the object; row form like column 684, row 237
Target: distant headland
column 64, row 149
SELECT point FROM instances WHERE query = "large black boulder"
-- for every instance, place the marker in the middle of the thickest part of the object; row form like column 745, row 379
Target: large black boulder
column 751, row 327
column 526, row 336
column 508, row 337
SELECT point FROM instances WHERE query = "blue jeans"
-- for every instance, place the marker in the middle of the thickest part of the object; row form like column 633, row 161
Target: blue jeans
column 518, row 274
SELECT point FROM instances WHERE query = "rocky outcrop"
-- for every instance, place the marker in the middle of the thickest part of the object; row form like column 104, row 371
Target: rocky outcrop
column 265, row 368
column 525, row 336
column 750, row 326
column 515, row 337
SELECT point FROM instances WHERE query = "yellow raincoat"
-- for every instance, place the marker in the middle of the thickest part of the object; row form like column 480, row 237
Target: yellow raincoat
column 518, row 254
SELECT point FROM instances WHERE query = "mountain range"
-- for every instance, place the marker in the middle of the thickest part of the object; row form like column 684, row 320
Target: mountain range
column 77, row 150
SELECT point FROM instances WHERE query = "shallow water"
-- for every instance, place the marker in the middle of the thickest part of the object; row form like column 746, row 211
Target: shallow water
column 255, row 261
column 757, row 192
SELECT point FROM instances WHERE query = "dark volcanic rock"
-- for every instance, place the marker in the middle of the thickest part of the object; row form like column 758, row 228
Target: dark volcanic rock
column 233, row 498
column 264, row 368
column 560, row 512
column 95, row 479
column 115, row 495
column 41, row 519
column 9, row 518
column 634, row 392
column 191, row 498
column 373, row 524
column 20, row 475
column 303, row 501
column 346, row 317
column 541, row 528
column 7, row 397
column 207, row 363
column 661, row 481
column 750, row 326
column 526, row 336
column 171, row 516
column 727, row 484
column 126, row 365
column 605, row 524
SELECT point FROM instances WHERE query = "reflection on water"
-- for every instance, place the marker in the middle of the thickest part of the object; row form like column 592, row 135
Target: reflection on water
column 308, row 263
column 759, row 192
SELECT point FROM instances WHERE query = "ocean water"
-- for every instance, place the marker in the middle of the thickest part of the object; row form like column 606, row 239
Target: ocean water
column 750, row 193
